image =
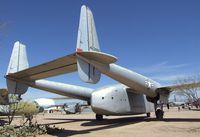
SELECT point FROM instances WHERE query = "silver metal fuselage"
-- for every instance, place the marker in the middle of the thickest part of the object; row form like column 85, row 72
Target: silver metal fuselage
column 119, row 100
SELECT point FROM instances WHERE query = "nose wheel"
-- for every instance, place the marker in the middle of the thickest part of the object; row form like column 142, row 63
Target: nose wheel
column 99, row 117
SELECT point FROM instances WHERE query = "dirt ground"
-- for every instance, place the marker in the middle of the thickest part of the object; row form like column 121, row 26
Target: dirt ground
column 182, row 123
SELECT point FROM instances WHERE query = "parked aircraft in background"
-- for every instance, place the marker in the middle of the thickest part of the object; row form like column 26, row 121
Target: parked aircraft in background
column 45, row 102
column 177, row 103
column 136, row 94
column 38, row 105
column 69, row 107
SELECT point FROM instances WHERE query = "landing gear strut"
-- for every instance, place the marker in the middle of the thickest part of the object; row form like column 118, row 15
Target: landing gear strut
column 99, row 117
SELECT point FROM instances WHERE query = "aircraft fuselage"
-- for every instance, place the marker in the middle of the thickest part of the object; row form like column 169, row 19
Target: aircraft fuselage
column 119, row 100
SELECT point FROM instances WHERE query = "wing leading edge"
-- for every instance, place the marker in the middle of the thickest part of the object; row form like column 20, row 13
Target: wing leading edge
column 181, row 86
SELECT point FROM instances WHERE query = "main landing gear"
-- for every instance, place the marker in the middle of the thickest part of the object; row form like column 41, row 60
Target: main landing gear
column 99, row 117
column 159, row 114
column 159, row 111
column 159, row 101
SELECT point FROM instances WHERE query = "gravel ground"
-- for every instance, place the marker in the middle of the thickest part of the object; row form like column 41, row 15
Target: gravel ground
column 182, row 123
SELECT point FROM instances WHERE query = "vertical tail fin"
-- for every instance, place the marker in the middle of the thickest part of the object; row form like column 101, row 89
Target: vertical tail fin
column 18, row 62
column 87, row 36
column 87, row 41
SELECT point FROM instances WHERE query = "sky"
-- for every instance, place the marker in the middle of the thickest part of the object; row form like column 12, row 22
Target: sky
column 159, row 39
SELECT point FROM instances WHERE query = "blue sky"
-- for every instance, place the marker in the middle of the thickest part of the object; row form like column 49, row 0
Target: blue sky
column 159, row 39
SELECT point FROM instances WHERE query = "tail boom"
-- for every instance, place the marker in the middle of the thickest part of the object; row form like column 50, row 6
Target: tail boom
column 72, row 91
column 130, row 78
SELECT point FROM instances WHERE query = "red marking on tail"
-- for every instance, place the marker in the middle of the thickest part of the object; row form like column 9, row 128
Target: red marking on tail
column 78, row 50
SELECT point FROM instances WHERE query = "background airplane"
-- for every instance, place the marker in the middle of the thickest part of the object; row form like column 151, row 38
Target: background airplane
column 48, row 105
column 61, row 104
column 136, row 94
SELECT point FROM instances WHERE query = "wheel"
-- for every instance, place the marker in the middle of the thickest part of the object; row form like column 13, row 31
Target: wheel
column 99, row 117
column 148, row 114
column 159, row 114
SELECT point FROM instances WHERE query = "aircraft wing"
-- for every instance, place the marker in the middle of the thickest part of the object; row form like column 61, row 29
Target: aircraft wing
column 61, row 98
column 58, row 66
column 181, row 86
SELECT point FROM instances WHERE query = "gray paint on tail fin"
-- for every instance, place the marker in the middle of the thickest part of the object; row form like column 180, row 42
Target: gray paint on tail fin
column 87, row 41
column 18, row 62
column 92, row 34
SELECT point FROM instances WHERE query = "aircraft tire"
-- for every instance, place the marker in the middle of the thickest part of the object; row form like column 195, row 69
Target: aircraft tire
column 99, row 117
column 159, row 114
column 148, row 114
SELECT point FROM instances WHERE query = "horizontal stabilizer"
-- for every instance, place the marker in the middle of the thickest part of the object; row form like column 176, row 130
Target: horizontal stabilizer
column 100, row 57
column 56, row 67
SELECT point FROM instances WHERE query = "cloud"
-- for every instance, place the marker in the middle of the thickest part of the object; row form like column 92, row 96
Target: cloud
column 166, row 73
column 33, row 94
column 161, row 67
column 169, row 78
